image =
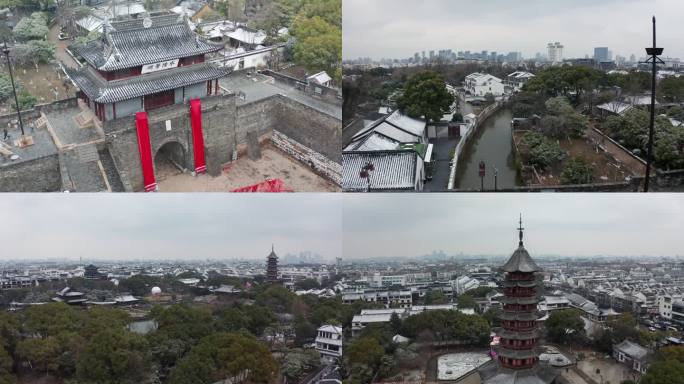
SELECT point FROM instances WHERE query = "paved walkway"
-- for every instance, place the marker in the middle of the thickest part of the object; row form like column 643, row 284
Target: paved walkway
column 60, row 53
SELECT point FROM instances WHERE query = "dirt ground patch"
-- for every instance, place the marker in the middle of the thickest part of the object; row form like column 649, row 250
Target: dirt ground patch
column 609, row 370
column 606, row 168
column 273, row 164
column 48, row 83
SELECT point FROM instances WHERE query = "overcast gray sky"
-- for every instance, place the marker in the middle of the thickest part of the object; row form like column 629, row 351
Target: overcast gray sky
column 399, row 28
column 168, row 226
column 476, row 224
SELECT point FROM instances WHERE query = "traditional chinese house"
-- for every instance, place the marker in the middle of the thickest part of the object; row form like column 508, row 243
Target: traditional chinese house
column 142, row 64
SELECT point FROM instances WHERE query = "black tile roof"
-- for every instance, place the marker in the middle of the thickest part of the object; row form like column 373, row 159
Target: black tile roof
column 127, row 44
column 394, row 170
column 102, row 91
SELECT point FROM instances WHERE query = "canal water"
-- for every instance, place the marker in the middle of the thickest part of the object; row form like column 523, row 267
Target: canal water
column 491, row 144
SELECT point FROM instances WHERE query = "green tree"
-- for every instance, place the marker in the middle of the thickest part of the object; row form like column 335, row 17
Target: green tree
column 307, row 284
column 365, row 350
column 5, row 87
column 672, row 89
column 466, row 301
column 434, row 296
column 668, row 368
column 318, row 45
column 35, row 52
column 222, row 356
column 6, row 376
column 541, row 151
column 113, row 355
column 577, row 171
column 425, row 95
column 564, row 325
column 40, row 354
column 395, row 323
column 26, row 101
column 33, row 27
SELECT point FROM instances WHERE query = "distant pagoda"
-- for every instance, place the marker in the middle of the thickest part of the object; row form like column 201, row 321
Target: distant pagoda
column 518, row 350
column 272, row 267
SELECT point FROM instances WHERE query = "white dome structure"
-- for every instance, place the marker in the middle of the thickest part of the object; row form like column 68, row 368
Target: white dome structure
column 156, row 291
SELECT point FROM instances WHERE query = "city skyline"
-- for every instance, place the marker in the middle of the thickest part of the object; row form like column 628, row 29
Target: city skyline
column 397, row 29
column 562, row 225
column 169, row 227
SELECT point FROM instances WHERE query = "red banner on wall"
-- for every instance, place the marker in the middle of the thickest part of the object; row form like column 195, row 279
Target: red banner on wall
column 145, row 151
column 197, row 139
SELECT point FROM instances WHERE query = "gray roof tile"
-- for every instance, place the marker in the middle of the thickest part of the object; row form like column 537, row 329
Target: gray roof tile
column 127, row 44
column 101, row 91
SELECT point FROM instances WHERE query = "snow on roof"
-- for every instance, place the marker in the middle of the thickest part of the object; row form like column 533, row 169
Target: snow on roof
column 379, row 318
column 521, row 75
column 639, row 100
column 415, row 126
column 330, row 328
column 90, row 23
column 321, row 78
column 615, row 107
column 631, row 349
column 248, row 36
column 376, row 142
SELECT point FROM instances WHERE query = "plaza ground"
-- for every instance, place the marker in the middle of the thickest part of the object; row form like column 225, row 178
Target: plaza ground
column 273, row 164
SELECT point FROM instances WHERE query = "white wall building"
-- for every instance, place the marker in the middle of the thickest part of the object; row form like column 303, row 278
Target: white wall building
column 515, row 81
column 555, row 51
column 480, row 84
column 329, row 342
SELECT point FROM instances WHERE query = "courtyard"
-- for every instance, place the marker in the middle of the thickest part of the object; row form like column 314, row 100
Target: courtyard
column 243, row 172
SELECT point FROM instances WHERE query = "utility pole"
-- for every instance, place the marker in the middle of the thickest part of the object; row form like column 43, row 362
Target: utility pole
column 653, row 52
column 6, row 51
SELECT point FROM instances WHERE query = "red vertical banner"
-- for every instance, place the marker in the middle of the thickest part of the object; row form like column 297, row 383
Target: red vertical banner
column 145, row 148
column 197, row 139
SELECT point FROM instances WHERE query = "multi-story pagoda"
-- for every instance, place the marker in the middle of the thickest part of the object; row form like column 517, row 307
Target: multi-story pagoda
column 142, row 64
column 518, row 350
column 272, row 267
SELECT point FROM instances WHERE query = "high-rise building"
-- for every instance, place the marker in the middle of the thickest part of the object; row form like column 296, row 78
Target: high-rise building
column 272, row 267
column 518, row 350
column 601, row 54
column 555, row 52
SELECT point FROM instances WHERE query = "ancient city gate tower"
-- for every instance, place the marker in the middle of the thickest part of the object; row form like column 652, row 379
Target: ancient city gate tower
column 518, row 349
column 150, row 87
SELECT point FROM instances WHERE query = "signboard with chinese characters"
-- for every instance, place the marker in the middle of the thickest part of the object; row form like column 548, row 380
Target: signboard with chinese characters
column 160, row 66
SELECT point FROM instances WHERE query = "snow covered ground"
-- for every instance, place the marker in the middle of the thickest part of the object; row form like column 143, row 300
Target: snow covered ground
column 454, row 365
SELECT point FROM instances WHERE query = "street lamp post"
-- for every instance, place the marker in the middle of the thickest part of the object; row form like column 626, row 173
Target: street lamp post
column 481, row 172
column 653, row 52
column 6, row 51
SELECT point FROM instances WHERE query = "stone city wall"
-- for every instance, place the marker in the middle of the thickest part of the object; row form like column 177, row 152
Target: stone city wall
column 172, row 125
column 37, row 175
column 319, row 163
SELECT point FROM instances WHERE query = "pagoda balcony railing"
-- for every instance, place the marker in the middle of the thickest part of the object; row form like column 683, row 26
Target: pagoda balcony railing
column 520, row 292
column 520, row 329
column 511, row 276
column 519, row 347
column 521, row 366
column 520, row 283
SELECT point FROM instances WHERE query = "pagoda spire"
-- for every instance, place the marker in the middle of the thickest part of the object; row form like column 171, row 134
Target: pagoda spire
column 520, row 231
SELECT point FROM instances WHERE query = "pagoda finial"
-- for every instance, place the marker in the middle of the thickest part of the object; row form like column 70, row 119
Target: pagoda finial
column 272, row 247
column 520, row 231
